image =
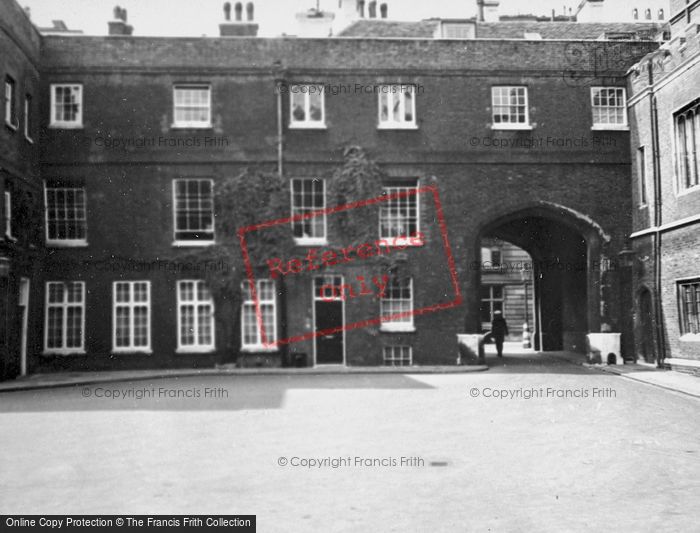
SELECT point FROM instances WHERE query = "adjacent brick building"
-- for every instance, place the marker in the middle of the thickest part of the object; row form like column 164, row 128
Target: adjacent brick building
column 665, row 118
column 526, row 141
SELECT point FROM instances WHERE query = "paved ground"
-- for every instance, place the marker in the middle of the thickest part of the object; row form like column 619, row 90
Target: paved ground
column 627, row 459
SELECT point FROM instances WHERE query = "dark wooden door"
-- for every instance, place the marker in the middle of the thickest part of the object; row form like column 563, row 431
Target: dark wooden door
column 329, row 345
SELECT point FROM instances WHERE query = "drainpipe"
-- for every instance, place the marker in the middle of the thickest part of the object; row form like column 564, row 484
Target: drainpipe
column 279, row 83
column 656, row 170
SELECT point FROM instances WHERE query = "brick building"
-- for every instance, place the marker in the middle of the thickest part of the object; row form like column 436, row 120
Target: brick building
column 134, row 136
column 665, row 118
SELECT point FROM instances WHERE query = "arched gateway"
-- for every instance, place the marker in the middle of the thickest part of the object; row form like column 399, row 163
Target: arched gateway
column 570, row 272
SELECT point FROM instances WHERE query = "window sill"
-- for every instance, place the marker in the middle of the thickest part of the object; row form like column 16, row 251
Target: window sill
column 63, row 352
column 512, row 127
column 610, row 127
column 307, row 126
column 134, row 351
column 259, row 349
column 687, row 190
column 191, row 126
column 406, row 242
column 193, row 244
column 67, row 244
column 393, row 126
column 65, row 126
column 309, row 241
column 397, row 328
column 690, row 337
column 195, row 349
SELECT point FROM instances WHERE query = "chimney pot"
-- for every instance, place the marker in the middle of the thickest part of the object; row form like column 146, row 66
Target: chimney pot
column 118, row 26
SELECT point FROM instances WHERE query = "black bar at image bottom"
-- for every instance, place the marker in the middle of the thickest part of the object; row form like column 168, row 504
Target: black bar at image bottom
column 192, row 523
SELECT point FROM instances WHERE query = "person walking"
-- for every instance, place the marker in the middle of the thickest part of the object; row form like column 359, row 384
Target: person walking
column 499, row 330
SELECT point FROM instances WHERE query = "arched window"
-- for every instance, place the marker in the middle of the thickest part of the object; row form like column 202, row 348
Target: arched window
column 384, row 9
column 647, row 14
column 635, row 14
column 249, row 10
column 239, row 11
column 372, row 9
column 661, row 14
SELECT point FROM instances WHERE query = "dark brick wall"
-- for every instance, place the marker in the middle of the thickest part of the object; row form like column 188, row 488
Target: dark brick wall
column 128, row 93
column 19, row 174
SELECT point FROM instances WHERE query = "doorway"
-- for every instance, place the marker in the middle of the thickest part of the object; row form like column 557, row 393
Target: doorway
column 329, row 320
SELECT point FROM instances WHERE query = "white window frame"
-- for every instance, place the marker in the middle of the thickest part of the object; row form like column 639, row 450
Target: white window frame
column 27, row 118
column 258, row 346
column 193, row 242
column 405, row 324
column 299, row 210
column 192, row 124
column 131, row 305
column 392, row 91
column 65, row 305
column 623, row 126
column 492, row 299
column 510, row 125
column 392, row 360
column 10, row 95
column 67, row 124
column 64, row 242
column 682, row 308
column 8, row 216
column 307, row 123
column 196, row 347
column 393, row 188
column 681, row 178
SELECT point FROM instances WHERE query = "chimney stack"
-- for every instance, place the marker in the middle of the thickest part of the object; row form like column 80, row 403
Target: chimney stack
column 488, row 10
column 238, row 27
column 118, row 26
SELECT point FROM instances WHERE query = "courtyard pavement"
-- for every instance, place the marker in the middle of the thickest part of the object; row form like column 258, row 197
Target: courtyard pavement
column 537, row 443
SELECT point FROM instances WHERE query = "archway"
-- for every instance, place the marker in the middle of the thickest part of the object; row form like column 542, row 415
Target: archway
column 565, row 248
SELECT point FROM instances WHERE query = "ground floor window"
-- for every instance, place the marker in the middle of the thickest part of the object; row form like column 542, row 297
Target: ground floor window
column 398, row 356
column 64, row 328
column 252, row 329
column 689, row 304
column 132, row 316
column 491, row 301
column 397, row 300
column 195, row 317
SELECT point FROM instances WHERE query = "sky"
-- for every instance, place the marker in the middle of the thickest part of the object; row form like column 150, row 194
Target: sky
column 194, row 18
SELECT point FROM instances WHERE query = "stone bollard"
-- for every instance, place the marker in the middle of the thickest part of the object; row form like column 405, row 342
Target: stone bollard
column 471, row 349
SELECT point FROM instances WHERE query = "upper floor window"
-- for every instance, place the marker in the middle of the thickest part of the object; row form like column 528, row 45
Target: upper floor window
column 396, row 305
column 399, row 214
column 689, row 305
column 509, row 107
column 132, row 316
column 397, row 106
column 661, row 14
column 64, row 327
column 10, row 109
column 642, row 174
column 647, row 14
column 195, row 316
column 635, row 14
column 491, row 258
column 66, row 106
column 66, row 215
column 308, row 195
column 194, row 211
column 609, row 106
column 687, row 124
column 192, row 106
column 307, row 106
column 28, row 117
column 254, row 333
